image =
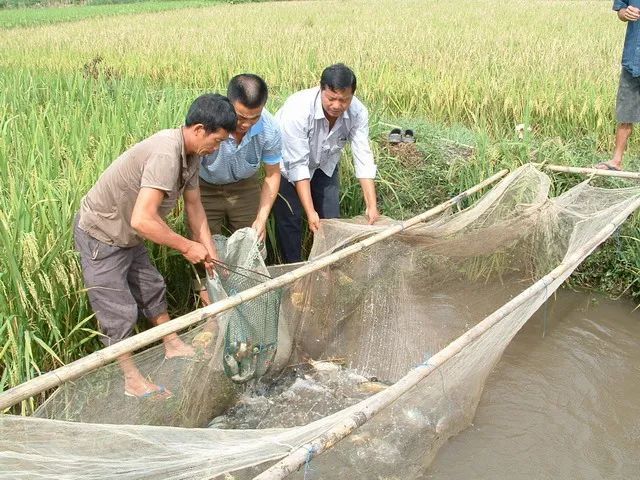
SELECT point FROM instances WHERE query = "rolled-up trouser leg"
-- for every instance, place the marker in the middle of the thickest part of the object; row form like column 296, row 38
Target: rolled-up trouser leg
column 146, row 284
column 105, row 269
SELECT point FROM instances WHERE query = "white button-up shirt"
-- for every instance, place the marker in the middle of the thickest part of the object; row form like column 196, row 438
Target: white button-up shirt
column 307, row 143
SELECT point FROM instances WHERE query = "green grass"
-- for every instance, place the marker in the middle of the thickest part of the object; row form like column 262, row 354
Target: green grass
column 59, row 3
column 63, row 3
column 73, row 96
column 31, row 17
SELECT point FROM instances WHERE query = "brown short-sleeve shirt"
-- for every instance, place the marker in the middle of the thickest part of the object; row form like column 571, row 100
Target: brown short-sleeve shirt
column 158, row 162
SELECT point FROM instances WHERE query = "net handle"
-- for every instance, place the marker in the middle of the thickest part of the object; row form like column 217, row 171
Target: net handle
column 594, row 171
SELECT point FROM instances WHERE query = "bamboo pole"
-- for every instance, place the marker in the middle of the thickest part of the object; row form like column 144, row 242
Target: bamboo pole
column 374, row 404
column 594, row 171
column 99, row 358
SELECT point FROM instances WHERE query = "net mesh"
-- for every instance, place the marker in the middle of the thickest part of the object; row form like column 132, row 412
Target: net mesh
column 251, row 336
column 384, row 312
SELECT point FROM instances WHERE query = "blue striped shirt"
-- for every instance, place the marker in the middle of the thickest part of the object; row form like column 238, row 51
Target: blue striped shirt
column 232, row 162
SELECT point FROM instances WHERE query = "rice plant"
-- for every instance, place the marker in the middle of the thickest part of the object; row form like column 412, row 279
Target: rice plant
column 74, row 95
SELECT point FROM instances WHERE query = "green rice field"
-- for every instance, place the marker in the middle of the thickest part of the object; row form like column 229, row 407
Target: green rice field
column 81, row 83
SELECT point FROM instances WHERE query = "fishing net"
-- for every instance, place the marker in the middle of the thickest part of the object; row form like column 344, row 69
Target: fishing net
column 251, row 335
column 423, row 315
column 230, row 349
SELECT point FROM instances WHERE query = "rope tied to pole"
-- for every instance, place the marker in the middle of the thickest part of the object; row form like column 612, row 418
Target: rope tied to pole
column 307, row 464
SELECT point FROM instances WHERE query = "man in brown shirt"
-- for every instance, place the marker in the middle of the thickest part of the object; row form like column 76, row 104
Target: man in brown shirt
column 128, row 204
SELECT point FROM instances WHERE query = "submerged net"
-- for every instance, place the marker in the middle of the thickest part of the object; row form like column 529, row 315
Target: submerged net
column 382, row 313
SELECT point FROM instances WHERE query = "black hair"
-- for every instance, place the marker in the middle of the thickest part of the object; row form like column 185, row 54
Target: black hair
column 338, row 77
column 248, row 89
column 212, row 110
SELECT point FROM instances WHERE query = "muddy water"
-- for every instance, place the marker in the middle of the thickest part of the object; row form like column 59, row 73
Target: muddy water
column 562, row 406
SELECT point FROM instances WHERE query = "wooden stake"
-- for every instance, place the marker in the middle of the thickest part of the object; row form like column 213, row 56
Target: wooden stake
column 594, row 171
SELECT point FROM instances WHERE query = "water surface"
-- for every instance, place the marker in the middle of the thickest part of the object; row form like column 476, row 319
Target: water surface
column 562, row 406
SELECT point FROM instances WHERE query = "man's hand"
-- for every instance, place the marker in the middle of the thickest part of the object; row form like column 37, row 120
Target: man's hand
column 200, row 232
column 314, row 221
column 260, row 226
column 268, row 195
column 372, row 214
column 369, row 193
column 629, row 14
column 303, row 188
column 197, row 253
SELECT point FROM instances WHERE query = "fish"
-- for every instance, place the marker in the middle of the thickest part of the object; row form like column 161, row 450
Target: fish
column 344, row 280
column 372, row 387
column 298, row 300
column 202, row 340
column 324, row 366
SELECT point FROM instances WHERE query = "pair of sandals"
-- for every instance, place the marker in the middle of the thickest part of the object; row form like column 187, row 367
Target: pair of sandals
column 398, row 136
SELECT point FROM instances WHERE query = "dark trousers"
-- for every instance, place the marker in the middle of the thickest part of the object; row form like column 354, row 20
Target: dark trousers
column 288, row 211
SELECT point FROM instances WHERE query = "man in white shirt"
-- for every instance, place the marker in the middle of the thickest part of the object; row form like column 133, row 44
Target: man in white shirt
column 316, row 124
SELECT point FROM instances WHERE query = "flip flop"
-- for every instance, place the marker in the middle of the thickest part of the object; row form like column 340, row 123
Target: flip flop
column 606, row 166
column 160, row 393
column 188, row 358
column 395, row 136
column 408, row 136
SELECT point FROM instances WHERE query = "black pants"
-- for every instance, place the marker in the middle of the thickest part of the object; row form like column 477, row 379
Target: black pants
column 288, row 211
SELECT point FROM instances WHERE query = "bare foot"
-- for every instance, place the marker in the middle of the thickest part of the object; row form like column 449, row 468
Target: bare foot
column 177, row 348
column 211, row 325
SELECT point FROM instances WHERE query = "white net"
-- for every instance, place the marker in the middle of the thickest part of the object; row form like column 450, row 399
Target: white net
column 382, row 314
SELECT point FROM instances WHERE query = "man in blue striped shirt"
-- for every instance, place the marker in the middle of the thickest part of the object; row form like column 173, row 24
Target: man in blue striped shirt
column 628, row 99
column 229, row 183
column 229, row 186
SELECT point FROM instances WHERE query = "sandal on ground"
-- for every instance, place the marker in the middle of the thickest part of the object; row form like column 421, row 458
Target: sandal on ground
column 395, row 136
column 408, row 136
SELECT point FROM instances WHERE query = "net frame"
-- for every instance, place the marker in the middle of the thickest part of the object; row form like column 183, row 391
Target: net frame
column 544, row 289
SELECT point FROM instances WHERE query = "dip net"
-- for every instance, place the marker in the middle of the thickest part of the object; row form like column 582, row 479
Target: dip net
column 324, row 348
